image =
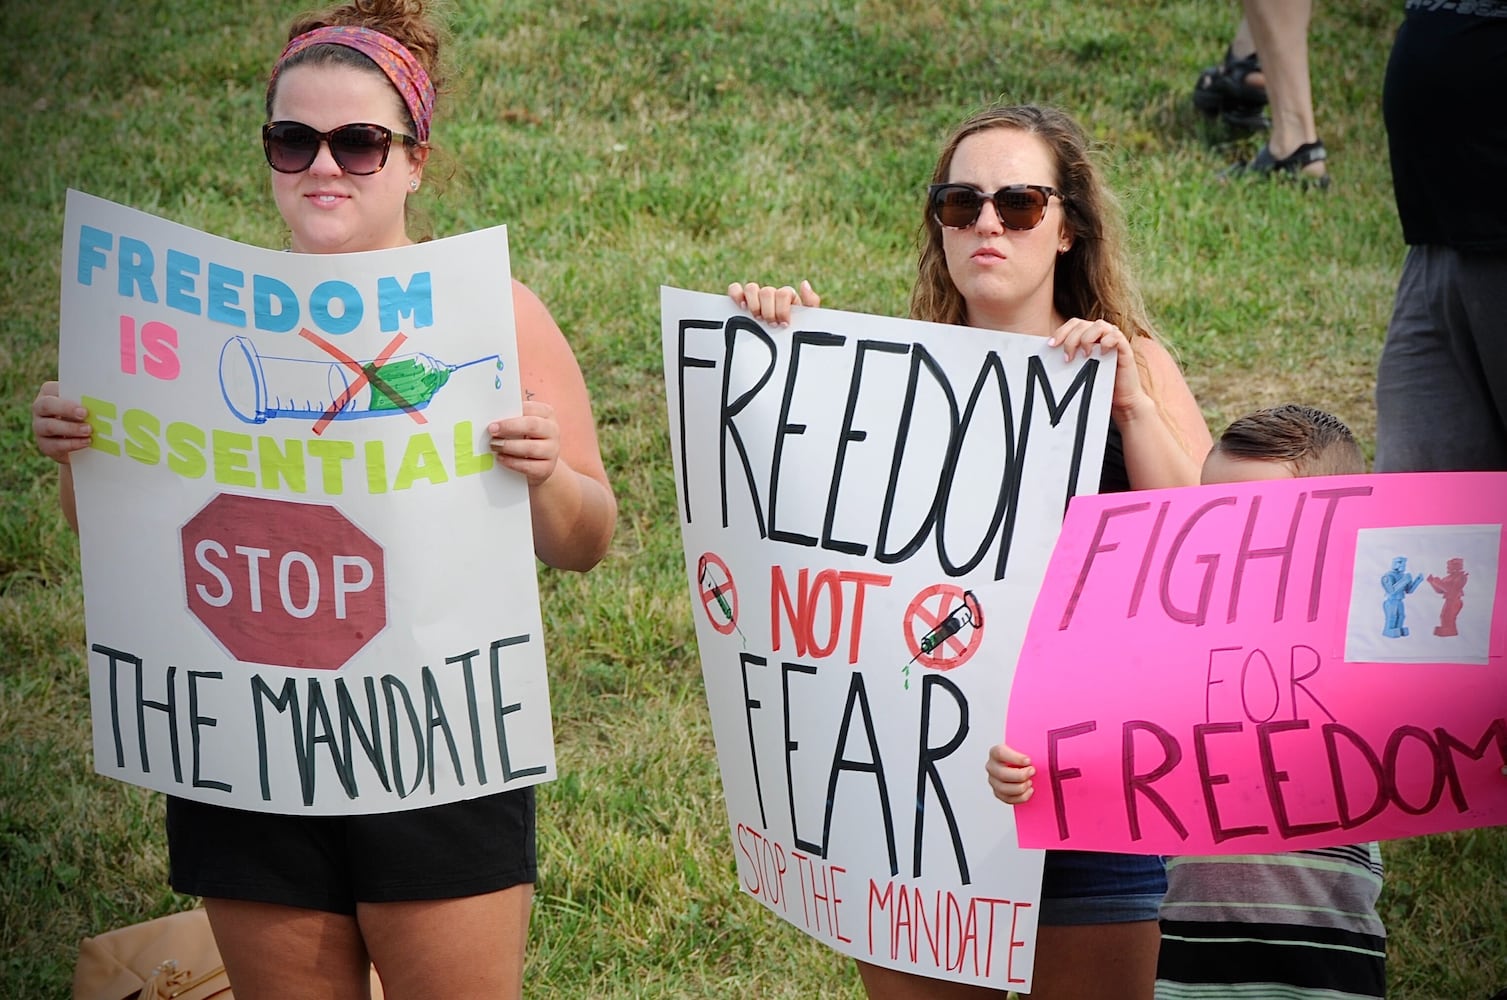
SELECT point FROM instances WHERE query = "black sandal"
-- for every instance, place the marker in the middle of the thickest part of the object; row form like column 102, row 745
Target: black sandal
column 1224, row 90
column 1264, row 164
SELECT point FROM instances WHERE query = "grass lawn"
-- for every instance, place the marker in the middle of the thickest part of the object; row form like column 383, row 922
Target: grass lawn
column 686, row 142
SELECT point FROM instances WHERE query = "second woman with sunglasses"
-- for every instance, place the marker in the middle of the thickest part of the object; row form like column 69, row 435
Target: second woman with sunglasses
column 438, row 898
column 1020, row 234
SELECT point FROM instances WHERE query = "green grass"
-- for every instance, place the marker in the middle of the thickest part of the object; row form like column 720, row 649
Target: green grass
column 686, row 142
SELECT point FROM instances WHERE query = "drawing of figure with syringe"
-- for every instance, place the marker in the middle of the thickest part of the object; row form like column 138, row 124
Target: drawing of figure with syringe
column 258, row 388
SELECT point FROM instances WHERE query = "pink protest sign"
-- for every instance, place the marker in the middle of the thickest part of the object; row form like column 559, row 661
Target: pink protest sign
column 1266, row 666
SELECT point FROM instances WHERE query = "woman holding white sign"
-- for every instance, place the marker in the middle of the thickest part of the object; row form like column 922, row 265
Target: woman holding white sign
column 437, row 898
column 1020, row 234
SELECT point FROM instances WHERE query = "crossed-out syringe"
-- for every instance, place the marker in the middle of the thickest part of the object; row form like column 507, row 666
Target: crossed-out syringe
column 258, row 388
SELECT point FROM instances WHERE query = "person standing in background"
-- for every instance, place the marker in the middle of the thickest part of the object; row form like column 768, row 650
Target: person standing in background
column 1441, row 386
column 1267, row 61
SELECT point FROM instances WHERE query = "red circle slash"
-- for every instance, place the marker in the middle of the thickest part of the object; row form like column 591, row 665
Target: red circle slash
column 719, row 595
column 932, row 641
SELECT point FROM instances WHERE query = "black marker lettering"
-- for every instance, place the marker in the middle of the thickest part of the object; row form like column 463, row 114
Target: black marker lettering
column 926, row 769
column 500, row 711
column 195, row 720
column 784, row 428
column 858, row 697
column 684, row 363
column 850, row 435
column 735, row 326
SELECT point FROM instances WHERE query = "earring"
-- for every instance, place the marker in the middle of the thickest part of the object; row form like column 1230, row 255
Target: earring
column 413, row 185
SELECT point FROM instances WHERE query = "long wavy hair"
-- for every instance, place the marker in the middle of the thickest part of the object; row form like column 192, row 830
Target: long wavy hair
column 1092, row 279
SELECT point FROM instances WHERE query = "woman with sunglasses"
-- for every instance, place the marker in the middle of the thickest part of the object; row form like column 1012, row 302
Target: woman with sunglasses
column 1020, row 234
column 438, row 898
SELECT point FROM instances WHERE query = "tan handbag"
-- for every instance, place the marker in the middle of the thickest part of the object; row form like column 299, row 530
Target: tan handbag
column 170, row 958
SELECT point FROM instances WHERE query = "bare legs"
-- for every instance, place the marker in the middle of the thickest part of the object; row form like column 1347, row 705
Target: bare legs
column 1084, row 962
column 289, row 953
column 1097, row 962
column 1279, row 31
column 1243, row 44
column 881, row 983
column 471, row 947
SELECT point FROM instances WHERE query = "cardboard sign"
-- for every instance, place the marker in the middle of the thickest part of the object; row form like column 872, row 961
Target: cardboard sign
column 1267, row 666
column 306, row 587
column 867, row 507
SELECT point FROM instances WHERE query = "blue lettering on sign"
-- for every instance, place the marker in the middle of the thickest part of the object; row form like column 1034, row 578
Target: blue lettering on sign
column 343, row 292
column 334, row 306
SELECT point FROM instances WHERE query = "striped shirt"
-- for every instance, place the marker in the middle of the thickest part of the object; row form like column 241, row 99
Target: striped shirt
column 1296, row 926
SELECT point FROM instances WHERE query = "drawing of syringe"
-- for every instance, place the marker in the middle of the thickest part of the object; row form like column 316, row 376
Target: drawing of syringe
column 967, row 613
column 258, row 388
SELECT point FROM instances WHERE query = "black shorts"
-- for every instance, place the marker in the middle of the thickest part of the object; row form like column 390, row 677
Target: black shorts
column 331, row 863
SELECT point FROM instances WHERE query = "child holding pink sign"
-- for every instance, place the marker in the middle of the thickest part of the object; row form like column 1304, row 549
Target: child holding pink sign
column 1301, row 924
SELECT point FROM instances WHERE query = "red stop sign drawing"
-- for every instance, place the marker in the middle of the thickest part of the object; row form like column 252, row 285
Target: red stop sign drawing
column 283, row 583
column 933, row 621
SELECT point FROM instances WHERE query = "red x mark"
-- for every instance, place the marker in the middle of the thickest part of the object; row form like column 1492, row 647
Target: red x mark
column 364, row 374
column 921, row 621
column 932, row 621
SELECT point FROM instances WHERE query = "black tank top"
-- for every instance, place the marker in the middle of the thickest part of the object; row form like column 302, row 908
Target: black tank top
column 1112, row 477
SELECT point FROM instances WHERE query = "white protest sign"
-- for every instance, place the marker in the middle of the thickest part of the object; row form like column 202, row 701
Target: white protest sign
column 307, row 588
column 868, row 506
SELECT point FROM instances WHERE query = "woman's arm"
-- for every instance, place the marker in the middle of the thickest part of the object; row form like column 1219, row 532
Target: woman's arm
column 1166, row 444
column 554, row 444
column 1165, row 437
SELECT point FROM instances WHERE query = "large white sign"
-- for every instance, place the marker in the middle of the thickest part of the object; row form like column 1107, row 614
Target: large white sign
column 307, row 588
column 868, row 506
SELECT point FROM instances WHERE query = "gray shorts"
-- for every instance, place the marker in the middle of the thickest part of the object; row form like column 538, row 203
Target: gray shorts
column 1441, row 387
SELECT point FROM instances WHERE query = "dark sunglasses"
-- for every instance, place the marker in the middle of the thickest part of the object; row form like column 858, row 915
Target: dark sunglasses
column 359, row 148
column 1019, row 206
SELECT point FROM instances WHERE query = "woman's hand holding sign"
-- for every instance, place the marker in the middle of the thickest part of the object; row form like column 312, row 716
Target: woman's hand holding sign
column 528, row 444
column 58, row 424
column 770, row 303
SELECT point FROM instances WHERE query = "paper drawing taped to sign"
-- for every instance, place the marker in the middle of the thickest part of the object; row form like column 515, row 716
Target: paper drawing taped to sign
column 1437, row 586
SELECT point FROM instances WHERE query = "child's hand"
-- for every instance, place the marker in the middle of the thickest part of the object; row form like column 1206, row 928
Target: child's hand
column 1010, row 774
